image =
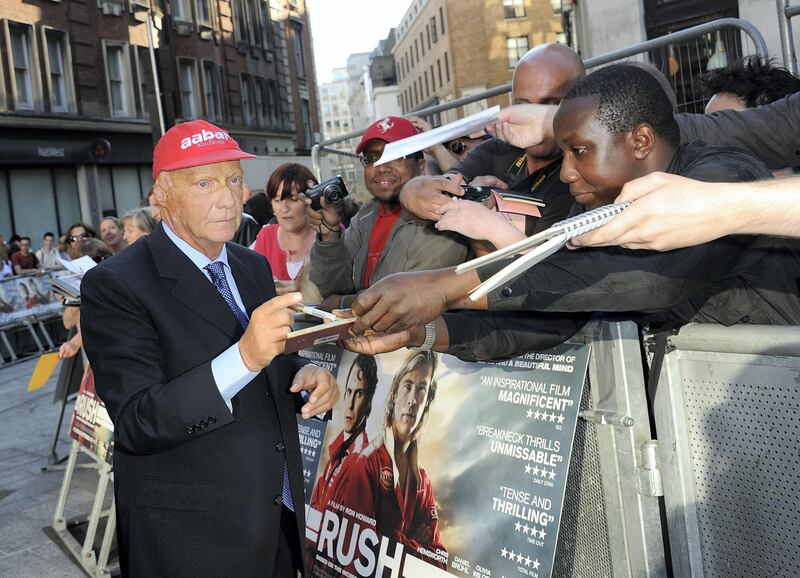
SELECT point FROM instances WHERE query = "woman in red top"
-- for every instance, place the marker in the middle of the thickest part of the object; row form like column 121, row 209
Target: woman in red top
column 287, row 244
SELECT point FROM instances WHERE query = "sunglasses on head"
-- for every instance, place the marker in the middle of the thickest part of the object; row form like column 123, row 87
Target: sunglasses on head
column 80, row 237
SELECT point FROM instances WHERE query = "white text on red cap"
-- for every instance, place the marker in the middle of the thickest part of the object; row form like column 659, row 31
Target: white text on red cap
column 203, row 137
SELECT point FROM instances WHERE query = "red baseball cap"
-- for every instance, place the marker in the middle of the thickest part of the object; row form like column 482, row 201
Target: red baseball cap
column 387, row 129
column 194, row 144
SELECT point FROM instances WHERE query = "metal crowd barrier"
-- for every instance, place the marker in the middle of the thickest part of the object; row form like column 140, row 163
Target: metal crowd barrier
column 25, row 305
column 703, row 480
column 727, row 411
column 669, row 50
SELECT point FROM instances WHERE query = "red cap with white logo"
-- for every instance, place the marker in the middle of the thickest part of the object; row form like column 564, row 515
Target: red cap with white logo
column 387, row 129
column 194, row 144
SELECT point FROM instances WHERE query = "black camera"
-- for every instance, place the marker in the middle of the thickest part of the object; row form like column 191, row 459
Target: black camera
column 476, row 193
column 333, row 190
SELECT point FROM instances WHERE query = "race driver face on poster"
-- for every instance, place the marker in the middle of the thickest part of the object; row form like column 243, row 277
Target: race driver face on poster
column 356, row 405
column 411, row 401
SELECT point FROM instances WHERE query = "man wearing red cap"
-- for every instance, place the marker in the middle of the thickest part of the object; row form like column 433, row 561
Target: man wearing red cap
column 382, row 238
column 185, row 334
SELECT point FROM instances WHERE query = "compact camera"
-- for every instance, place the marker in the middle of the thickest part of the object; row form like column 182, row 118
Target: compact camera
column 476, row 193
column 333, row 190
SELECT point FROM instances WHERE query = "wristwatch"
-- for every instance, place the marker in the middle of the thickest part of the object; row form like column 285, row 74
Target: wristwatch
column 430, row 337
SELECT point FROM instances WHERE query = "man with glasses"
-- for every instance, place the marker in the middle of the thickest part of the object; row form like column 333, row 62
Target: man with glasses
column 382, row 238
column 542, row 76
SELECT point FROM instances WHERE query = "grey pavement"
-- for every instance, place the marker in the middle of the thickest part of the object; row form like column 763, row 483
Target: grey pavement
column 27, row 494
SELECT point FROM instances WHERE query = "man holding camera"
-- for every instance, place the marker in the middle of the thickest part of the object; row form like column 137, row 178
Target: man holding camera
column 382, row 238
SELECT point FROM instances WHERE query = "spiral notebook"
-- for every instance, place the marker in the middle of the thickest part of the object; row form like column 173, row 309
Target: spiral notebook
column 538, row 247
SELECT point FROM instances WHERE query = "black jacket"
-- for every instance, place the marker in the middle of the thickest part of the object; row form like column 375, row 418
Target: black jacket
column 510, row 164
column 196, row 486
column 735, row 279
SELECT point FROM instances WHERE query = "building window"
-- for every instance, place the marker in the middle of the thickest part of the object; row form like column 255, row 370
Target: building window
column 433, row 80
column 181, row 11
column 273, row 103
column 427, row 86
column 212, row 91
column 266, row 25
column 513, row 9
column 439, row 67
column 422, row 42
column 204, row 12
column 253, row 29
column 240, row 20
column 305, row 114
column 446, row 67
column 187, row 74
column 441, row 18
column 516, row 46
column 261, row 102
column 119, row 79
column 246, row 90
column 428, row 31
column 143, row 71
column 23, row 63
column 434, row 33
column 299, row 54
column 416, row 48
column 59, row 71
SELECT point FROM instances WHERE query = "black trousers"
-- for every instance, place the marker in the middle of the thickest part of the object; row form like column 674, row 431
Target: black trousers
column 289, row 560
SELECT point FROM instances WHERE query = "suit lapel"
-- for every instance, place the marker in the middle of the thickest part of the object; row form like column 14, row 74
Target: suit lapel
column 192, row 288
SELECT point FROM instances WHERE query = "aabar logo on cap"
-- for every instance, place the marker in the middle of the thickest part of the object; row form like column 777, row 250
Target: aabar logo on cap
column 385, row 125
column 203, row 137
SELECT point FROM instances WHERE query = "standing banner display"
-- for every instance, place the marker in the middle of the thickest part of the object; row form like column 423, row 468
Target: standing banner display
column 434, row 467
column 91, row 425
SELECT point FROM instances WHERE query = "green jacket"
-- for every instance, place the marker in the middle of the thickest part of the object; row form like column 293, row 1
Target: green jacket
column 337, row 267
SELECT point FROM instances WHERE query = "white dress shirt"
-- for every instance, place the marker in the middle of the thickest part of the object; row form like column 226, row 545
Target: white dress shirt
column 229, row 371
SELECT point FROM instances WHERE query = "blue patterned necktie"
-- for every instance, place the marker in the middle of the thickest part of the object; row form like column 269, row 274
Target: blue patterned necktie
column 216, row 270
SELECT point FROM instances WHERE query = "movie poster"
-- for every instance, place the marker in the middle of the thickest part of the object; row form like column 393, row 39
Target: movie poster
column 91, row 425
column 436, row 467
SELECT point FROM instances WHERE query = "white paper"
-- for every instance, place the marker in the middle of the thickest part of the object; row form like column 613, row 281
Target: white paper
column 413, row 144
column 80, row 265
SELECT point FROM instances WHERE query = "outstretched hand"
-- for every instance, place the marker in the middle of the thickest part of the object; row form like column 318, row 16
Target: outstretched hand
column 668, row 212
column 523, row 125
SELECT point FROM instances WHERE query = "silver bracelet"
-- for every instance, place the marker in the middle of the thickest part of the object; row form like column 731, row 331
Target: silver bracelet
column 430, row 337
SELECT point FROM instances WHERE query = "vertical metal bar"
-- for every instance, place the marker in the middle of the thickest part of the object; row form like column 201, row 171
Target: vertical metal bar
column 787, row 38
column 87, row 553
column 156, row 85
column 675, row 453
column 7, row 343
column 10, row 200
column 108, row 538
column 35, row 337
column 55, row 200
column 315, row 161
column 59, row 523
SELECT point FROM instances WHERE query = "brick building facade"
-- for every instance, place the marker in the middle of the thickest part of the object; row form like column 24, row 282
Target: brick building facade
column 78, row 113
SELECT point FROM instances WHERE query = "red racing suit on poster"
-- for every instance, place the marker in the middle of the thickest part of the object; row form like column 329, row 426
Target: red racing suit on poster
column 368, row 484
column 339, row 450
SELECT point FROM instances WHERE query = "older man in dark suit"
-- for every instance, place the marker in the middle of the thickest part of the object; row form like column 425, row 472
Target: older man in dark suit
column 185, row 335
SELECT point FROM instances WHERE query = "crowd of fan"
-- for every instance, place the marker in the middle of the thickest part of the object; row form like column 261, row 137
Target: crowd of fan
column 391, row 258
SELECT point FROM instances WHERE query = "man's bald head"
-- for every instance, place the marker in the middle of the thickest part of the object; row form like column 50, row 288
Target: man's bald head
column 543, row 76
column 545, row 73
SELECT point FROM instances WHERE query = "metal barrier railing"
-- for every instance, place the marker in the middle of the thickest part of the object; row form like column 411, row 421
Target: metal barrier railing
column 785, row 13
column 699, row 34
